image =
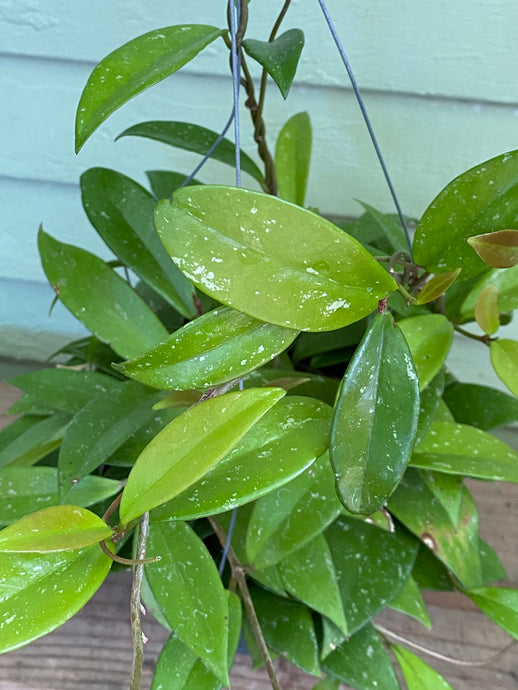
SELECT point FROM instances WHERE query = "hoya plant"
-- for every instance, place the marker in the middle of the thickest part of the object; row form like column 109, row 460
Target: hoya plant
column 261, row 423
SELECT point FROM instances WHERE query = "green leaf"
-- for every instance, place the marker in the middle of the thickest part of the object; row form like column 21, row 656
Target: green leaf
column 275, row 449
column 410, row 601
column 418, row 675
column 164, row 182
column 429, row 403
column 371, row 581
column 437, row 286
column 387, row 226
column 500, row 604
column 99, row 429
column 279, row 57
column 48, row 593
column 505, row 280
column 332, row 637
column 362, row 662
column 190, row 446
column 292, row 157
column 29, row 404
column 497, row 249
column 429, row 338
column 189, row 591
column 220, row 346
column 484, row 199
column 321, row 387
column 460, row 449
column 492, row 567
column 486, row 310
column 375, row 418
column 191, row 137
column 270, row 259
column 99, row 298
column 430, row 573
column 327, row 684
column 504, row 358
column 122, row 213
column 135, row 66
column 57, row 528
column 447, row 489
column 28, row 439
column 24, row 490
column 480, row 406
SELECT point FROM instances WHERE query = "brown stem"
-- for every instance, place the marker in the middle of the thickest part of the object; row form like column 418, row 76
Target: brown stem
column 486, row 339
column 135, row 607
column 111, row 509
column 127, row 561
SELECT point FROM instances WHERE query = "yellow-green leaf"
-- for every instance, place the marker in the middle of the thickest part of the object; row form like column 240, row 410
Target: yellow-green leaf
column 504, row 358
column 429, row 338
column 486, row 310
column 437, row 286
column 418, row 675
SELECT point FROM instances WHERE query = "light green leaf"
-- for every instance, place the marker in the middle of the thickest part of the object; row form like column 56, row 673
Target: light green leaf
column 327, row 684
column 486, row 310
column 418, row 675
column 504, row 358
column 270, row 259
column 480, row 406
column 292, row 157
column 279, row 57
column 28, row 439
column 122, row 213
column 48, row 594
column 492, row 567
column 135, row 66
column 279, row 446
column 164, row 182
column 500, row 604
column 190, row 446
column 505, row 280
column 189, row 591
column 437, row 286
column 429, row 338
column 497, row 249
column 215, row 348
column 410, row 601
column 375, row 418
column 447, row 489
column 99, row 298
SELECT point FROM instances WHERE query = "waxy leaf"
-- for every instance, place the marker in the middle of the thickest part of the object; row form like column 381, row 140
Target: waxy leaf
column 461, row 449
column 99, row 298
column 492, row 567
column 486, row 310
column 429, row 403
column 53, row 588
column 279, row 57
column 418, row 675
column 220, row 346
column 410, row 601
column 429, row 338
column 497, row 249
column 122, row 213
column 190, row 446
column 135, row 66
column 270, row 259
column 387, row 226
column 480, row 406
column 28, row 439
column 164, row 182
column 375, row 418
column 481, row 200
column 447, row 489
column 500, row 604
column 321, row 387
column 191, row 137
column 278, row 447
column 189, row 591
column 505, row 280
column 437, row 286
column 292, row 157
column 57, row 528
column 504, row 358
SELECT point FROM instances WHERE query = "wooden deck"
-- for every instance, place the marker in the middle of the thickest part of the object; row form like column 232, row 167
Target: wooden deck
column 93, row 650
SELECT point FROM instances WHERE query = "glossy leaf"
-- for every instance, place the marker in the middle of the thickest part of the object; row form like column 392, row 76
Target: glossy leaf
column 99, row 298
column 135, row 66
column 190, row 446
column 371, row 581
column 386, row 225
column 492, row 567
column 505, row 280
column 48, row 594
column 57, row 528
column 292, row 158
column 497, row 249
column 191, row 137
column 480, row 406
column 500, row 604
column 184, row 398
column 429, row 403
column 215, row 348
column 189, row 591
column 447, row 489
column 278, row 447
column 410, row 601
column 322, row 387
column 429, row 338
column 430, row 573
column 504, row 358
column 375, row 418
column 418, row 675
column 270, row 259
column 486, row 310
column 164, row 182
column 28, row 439
column 484, row 199
column 122, row 213
column 279, row 57
column 437, row 286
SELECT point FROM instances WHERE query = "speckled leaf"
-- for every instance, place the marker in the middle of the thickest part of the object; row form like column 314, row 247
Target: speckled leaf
column 292, row 157
column 460, row 449
column 270, row 259
column 375, row 418
column 28, row 439
column 189, row 591
column 417, row 507
column 135, row 66
column 410, row 601
column 486, row 310
column 500, row 604
column 483, row 199
column 362, row 662
column 279, row 446
column 122, row 213
column 497, row 249
column 480, row 406
column 437, row 286
column 505, row 280
column 418, row 675
column 215, row 348
column 429, row 402
column 54, row 587
column 447, row 489
column 56, row 528
column 504, row 358
column 99, row 298
column 332, row 637
column 190, row 446
column 279, row 57
column 322, row 387
column 289, row 517
column 429, row 338
column 370, row 581
column 164, row 182
column 430, row 573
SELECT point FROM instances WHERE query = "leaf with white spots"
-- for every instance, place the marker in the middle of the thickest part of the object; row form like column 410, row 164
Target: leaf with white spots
column 410, row 601
column 279, row 57
column 429, row 338
column 30, row 438
column 418, row 675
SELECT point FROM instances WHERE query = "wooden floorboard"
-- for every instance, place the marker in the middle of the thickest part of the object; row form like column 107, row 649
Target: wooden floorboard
column 93, row 649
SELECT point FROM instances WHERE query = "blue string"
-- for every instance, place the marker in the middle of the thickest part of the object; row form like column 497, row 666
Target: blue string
column 366, row 118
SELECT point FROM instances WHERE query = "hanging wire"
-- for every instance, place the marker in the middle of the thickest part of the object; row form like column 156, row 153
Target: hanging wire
column 366, row 118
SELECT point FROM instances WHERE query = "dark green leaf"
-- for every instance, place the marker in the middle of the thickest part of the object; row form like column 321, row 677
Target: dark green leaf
column 480, row 406
column 164, row 182
column 327, row 684
column 492, row 567
column 28, row 439
column 292, row 157
column 309, row 344
column 429, row 338
column 500, row 604
column 497, row 249
column 504, row 358
column 332, row 637
column 388, row 226
column 279, row 57
column 410, row 601
column 321, row 387
column 447, row 489
column 429, row 402
column 29, row 404
column 430, row 573
column 418, row 675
